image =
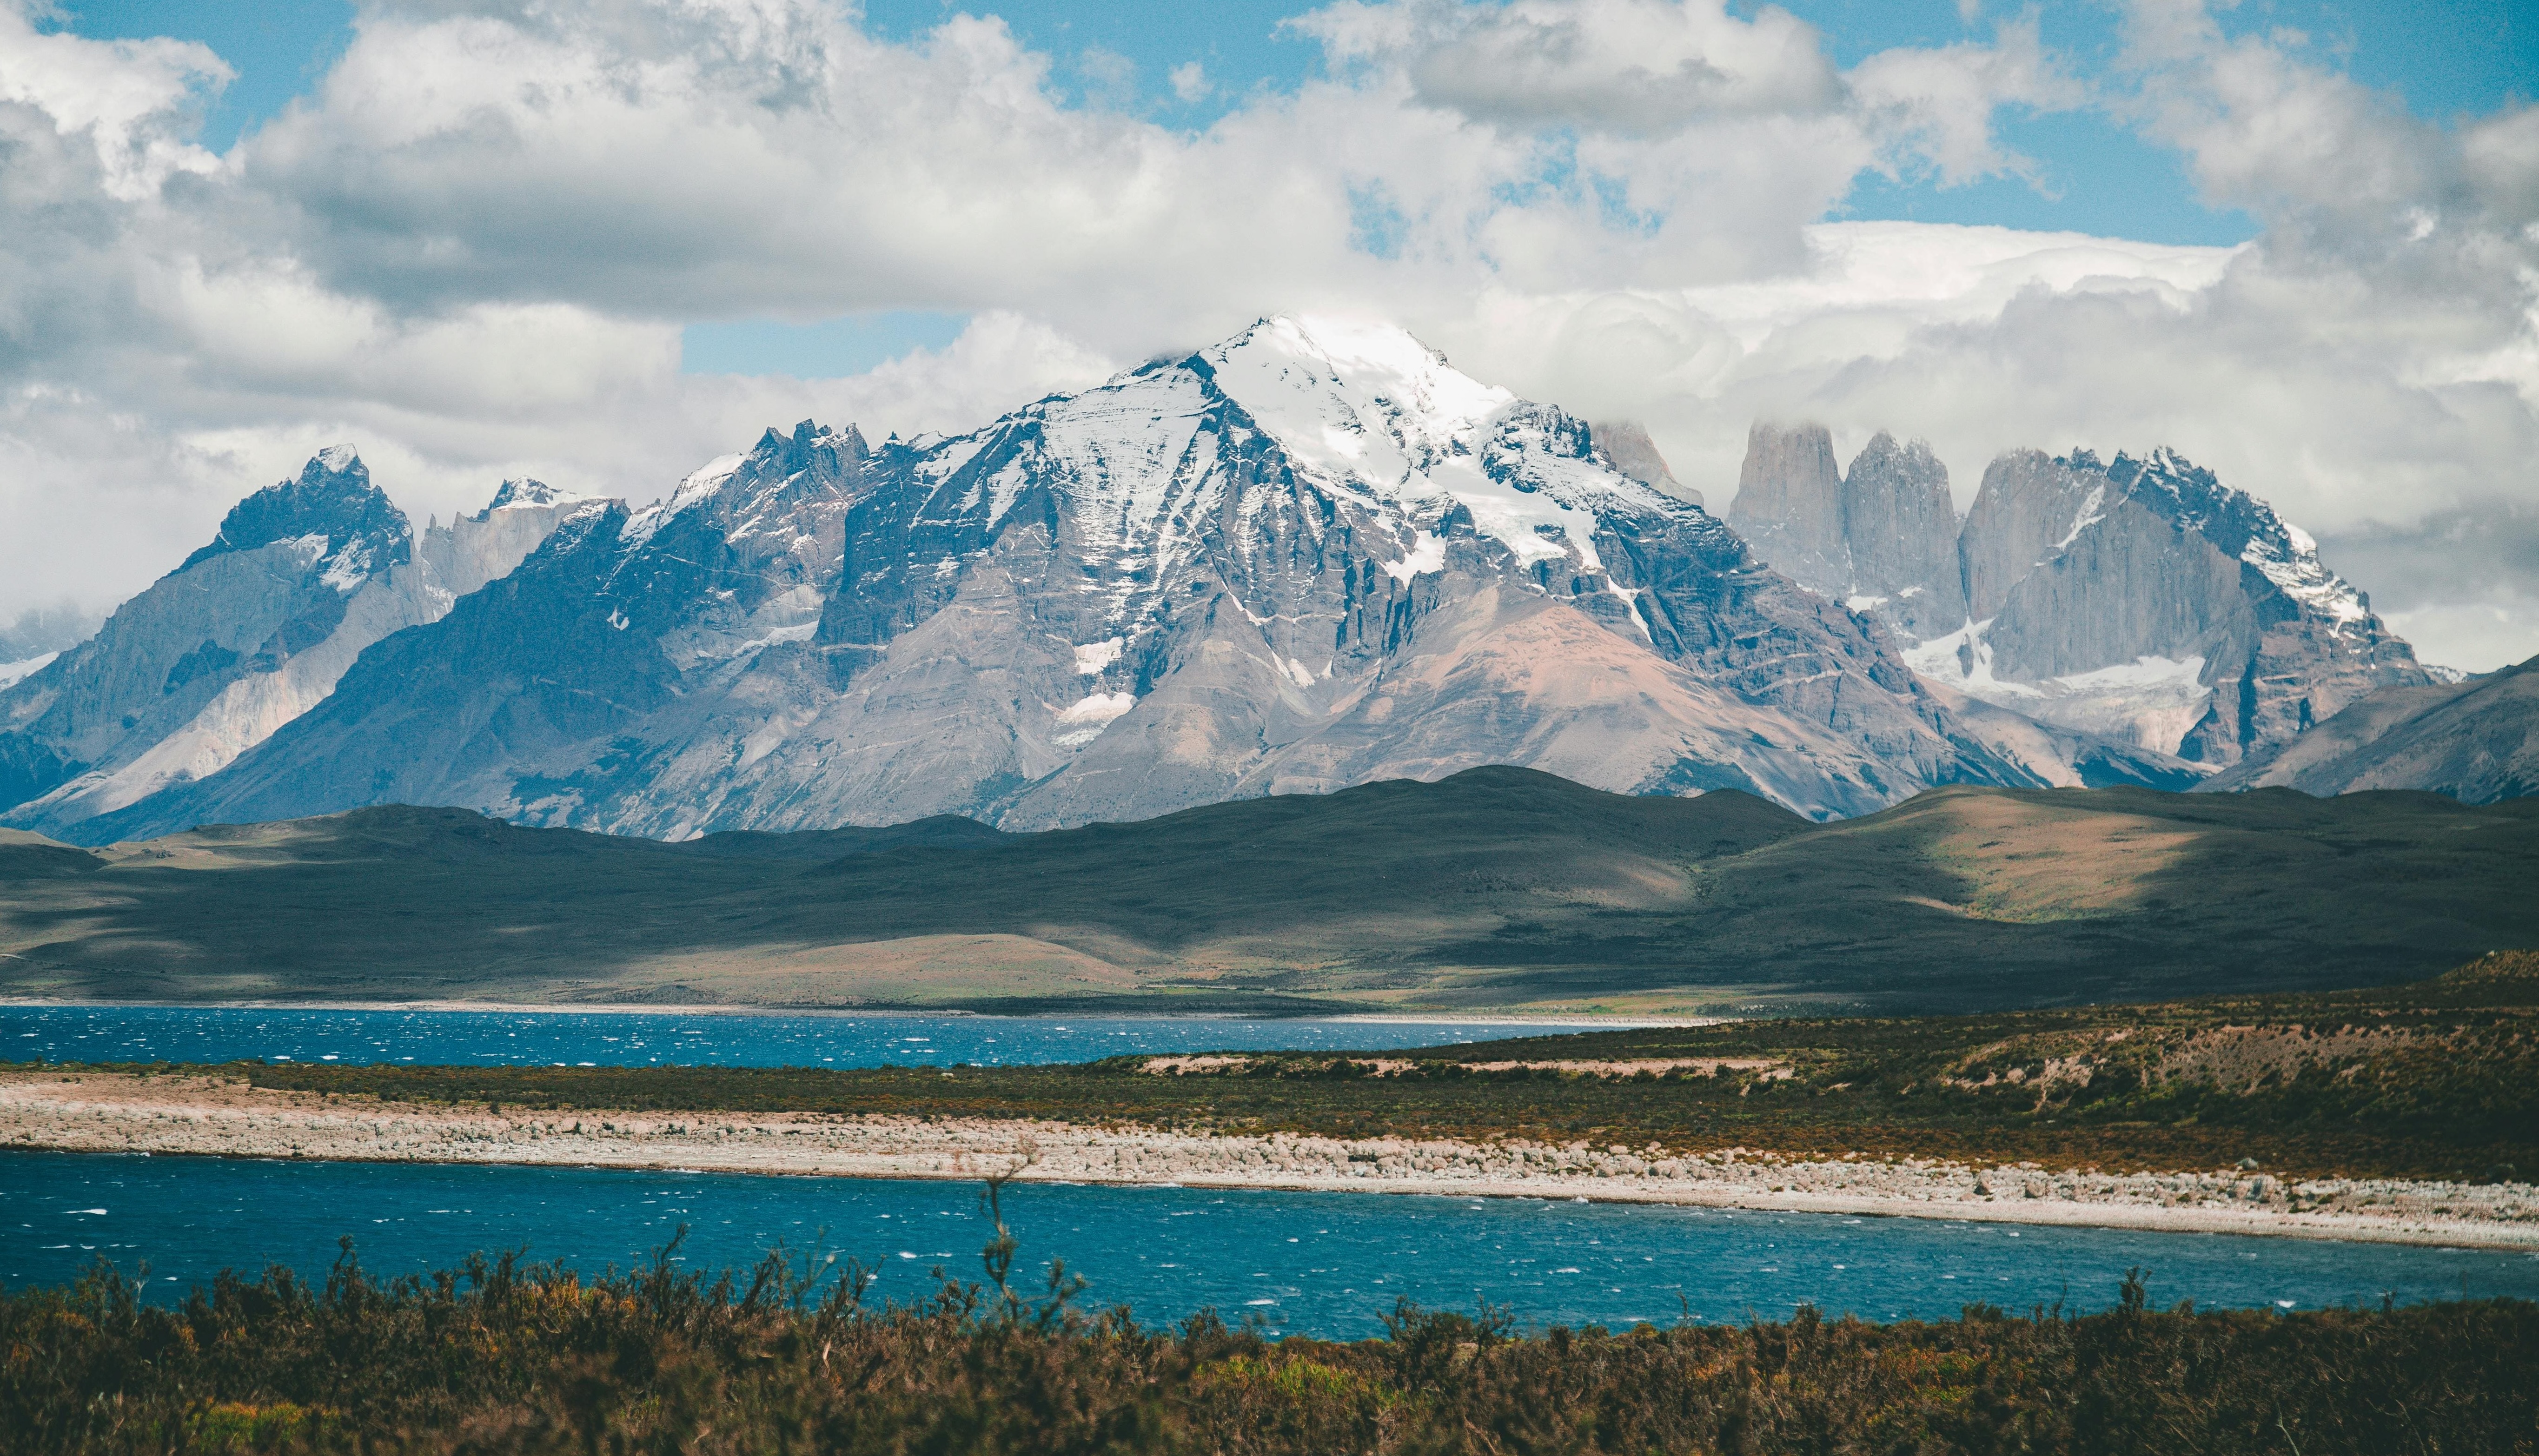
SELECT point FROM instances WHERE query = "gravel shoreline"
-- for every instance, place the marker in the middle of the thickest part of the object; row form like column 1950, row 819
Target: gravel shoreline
column 119, row 1112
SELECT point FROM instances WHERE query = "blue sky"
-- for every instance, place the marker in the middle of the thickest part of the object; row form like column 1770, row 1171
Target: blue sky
column 2465, row 57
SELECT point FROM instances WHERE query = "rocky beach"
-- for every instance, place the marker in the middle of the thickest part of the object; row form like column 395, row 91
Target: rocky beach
column 87, row 1111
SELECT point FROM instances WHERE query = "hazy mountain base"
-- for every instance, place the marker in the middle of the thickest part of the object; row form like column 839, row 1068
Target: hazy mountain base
column 1498, row 888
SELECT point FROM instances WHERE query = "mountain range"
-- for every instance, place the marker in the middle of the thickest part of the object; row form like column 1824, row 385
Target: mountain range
column 2138, row 602
column 245, row 636
column 1312, row 556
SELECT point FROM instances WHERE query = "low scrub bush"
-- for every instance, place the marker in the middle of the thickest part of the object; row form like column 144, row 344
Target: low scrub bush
column 500, row 1356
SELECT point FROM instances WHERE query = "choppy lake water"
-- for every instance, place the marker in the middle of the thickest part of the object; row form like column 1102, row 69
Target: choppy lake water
column 1321, row 1264
column 36, row 1033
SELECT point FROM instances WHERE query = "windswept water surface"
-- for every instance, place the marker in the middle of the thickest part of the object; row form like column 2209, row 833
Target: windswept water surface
column 1321, row 1264
column 717, row 1038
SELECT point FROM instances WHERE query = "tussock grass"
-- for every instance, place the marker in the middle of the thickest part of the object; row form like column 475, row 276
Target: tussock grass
column 498, row 1356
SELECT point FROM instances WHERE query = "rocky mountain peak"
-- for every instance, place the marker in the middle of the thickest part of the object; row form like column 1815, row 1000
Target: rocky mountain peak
column 350, row 523
column 1899, row 527
column 1880, row 538
column 2029, row 505
column 1789, row 505
column 2241, row 526
column 519, row 493
column 2142, row 598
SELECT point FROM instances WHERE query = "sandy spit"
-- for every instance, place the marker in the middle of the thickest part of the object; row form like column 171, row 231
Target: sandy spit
column 110, row 1112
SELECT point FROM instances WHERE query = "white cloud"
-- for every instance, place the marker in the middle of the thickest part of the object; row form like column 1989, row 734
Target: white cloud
column 472, row 248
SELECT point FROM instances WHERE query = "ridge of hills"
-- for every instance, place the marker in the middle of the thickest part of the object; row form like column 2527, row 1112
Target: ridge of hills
column 1498, row 888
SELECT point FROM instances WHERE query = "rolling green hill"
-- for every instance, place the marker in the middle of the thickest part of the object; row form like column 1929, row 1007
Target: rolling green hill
column 1498, row 888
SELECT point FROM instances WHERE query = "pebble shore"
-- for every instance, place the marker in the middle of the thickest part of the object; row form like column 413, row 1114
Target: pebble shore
column 116, row 1112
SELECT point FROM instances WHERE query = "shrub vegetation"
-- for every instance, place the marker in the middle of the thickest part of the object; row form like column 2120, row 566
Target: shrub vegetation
column 501, row 1356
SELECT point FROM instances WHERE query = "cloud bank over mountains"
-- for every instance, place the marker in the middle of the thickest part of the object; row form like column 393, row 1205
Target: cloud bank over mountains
column 473, row 248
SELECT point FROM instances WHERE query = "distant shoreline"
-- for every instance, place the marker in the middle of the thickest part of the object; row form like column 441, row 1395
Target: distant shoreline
column 724, row 1009
column 90, row 1111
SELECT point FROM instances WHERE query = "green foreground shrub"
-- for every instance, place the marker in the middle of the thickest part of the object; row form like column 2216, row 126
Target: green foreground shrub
column 504, row 1356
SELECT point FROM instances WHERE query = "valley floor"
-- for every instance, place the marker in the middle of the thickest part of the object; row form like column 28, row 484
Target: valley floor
column 85, row 1111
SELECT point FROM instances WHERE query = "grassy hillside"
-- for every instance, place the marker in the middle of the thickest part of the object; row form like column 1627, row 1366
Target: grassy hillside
column 1498, row 888
column 2436, row 1079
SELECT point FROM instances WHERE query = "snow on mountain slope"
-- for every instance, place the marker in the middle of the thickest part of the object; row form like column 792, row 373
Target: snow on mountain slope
column 1312, row 555
column 300, row 577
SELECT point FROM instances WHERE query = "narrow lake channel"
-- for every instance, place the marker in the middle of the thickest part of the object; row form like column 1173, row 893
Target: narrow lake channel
column 1319, row 1264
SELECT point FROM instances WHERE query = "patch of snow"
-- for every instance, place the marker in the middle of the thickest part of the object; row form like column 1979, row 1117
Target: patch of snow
column 1427, row 554
column 1092, row 657
column 945, row 457
column 1297, row 673
column 2152, row 702
column 335, row 459
column 1099, row 709
column 1090, row 717
column 2292, row 565
column 699, row 486
column 522, row 493
column 2439, row 673
column 1864, row 603
column 350, row 568
column 12, row 673
column 1631, row 597
column 2091, row 514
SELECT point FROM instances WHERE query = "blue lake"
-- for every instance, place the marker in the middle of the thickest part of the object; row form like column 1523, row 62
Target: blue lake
column 1326, row 1264
column 1321, row 1264
column 38, row 1033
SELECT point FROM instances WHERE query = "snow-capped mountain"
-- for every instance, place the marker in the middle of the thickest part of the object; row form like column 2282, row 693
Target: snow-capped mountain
column 1311, row 556
column 2133, row 602
column 246, row 634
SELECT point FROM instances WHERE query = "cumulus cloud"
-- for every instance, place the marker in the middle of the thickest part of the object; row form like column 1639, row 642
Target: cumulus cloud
column 471, row 250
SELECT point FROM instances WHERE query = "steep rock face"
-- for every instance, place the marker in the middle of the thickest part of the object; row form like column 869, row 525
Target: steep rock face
column 1310, row 556
column 2162, row 607
column 1881, row 538
column 1789, row 505
column 249, row 633
column 2477, row 742
column 1900, row 531
column 2028, row 507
